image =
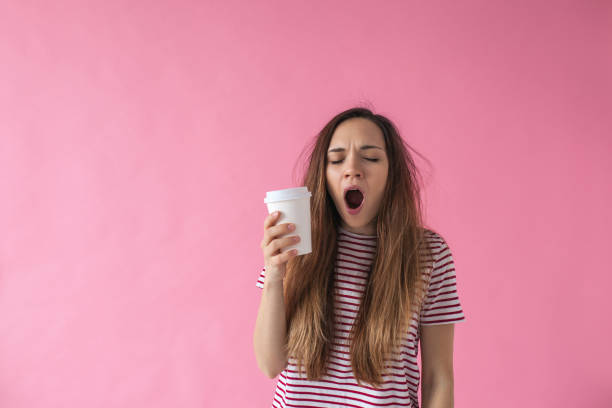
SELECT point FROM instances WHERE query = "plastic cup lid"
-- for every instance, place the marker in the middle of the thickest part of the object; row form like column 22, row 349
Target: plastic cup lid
column 287, row 194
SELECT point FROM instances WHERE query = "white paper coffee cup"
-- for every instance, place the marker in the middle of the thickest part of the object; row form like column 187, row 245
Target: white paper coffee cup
column 294, row 207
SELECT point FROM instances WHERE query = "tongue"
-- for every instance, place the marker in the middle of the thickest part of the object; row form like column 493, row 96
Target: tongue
column 354, row 198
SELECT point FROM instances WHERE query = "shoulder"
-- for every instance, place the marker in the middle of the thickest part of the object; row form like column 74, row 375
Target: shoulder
column 433, row 236
column 435, row 243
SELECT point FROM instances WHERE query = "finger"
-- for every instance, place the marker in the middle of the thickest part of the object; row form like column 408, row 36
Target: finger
column 275, row 247
column 277, row 231
column 271, row 219
column 272, row 231
column 272, row 248
column 284, row 257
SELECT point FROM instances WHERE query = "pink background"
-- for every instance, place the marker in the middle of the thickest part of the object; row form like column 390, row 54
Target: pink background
column 138, row 140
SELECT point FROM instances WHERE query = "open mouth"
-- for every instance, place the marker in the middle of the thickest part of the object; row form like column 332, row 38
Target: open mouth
column 353, row 198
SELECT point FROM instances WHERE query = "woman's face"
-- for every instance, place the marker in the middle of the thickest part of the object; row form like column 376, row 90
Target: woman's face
column 354, row 146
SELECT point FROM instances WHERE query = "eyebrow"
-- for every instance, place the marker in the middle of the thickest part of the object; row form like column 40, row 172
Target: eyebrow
column 364, row 147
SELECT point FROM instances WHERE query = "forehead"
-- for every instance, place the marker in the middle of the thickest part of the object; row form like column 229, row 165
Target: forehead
column 358, row 131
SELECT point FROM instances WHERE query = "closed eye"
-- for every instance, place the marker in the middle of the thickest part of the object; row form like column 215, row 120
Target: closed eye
column 338, row 161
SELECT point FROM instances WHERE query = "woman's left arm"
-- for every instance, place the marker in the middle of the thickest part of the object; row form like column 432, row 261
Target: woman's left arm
column 437, row 366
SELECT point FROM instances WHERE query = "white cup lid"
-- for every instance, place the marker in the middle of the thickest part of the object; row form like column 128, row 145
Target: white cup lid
column 287, row 194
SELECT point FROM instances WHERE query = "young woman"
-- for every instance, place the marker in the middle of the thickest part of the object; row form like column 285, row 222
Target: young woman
column 342, row 325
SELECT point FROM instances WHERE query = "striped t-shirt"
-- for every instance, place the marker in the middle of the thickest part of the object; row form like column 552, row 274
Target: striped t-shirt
column 338, row 388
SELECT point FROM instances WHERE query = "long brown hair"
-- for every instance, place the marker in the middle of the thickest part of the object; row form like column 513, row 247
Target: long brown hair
column 395, row 287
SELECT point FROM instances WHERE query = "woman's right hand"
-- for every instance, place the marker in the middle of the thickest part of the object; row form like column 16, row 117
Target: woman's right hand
column 272, row 243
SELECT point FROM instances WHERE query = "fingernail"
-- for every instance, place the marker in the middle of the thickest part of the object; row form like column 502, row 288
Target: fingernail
column 291, row 226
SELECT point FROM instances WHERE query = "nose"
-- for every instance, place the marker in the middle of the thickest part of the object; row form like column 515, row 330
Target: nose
column 352, row 167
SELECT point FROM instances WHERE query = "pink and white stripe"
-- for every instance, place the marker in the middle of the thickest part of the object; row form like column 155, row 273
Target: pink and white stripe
column 338, row 388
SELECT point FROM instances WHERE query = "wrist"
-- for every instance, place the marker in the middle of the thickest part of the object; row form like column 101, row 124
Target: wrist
column 273, row 281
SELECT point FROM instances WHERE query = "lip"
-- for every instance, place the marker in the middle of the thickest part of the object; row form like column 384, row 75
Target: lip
column 353, row 211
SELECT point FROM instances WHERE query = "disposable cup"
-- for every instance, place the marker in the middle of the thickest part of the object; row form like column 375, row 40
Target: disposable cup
column 294, row 207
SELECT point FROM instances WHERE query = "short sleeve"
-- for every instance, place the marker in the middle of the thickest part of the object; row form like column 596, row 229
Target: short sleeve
column 260, row 281
column 442, row 304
